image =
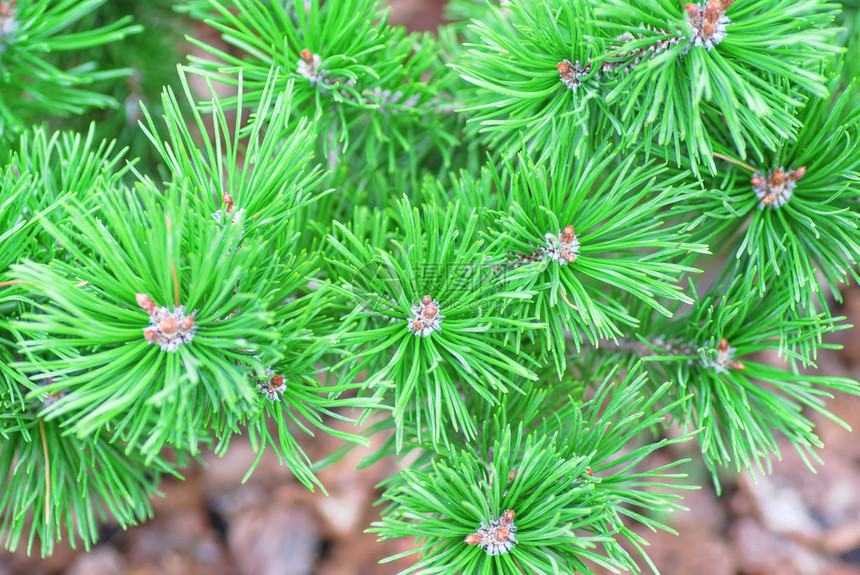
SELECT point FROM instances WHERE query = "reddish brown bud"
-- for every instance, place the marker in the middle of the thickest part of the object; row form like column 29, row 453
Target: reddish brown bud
column 426, row 300
column 512, row 474
column 777, row 178
column 768, row 200
column 798, row 173
column 508, row 516
column 712, row 13
column 737, row 365
column 708, row 30
column 430, row 311
column 276, row 381
column 564, row 68
column 692, row 10
column 187, row 323
column 567, row 235
column 474, row 539
column 307, row 56
column 150, row 335
column 569, row 256
column 145, row 302
column 589, row 472
column 167, row 325
column 417, row 326
column 757, row 181
column 502, row 534
column 724, row 345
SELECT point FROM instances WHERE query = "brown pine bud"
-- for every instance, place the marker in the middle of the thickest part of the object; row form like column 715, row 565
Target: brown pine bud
column 474, row 539
column 417, row 326
column 737, row 365
column 430, row 311
column 145, row 302
column 508, row 516
column 692, row 10
column 307, row 56
column 567, row 235
column 187, row 323
column 227, row 199
column 777, row 178
column 426, row 300
column 564, row 68
column 502, row 534
column 798, row 173
column 708, row 30
column 757, row 181
column 724, row 345
column 150, row 335
column 277, row 381
column 167, row 325
column 512, row 475
column 569, row 256
column 713, row 9
column 768, row 200
column 589, row 472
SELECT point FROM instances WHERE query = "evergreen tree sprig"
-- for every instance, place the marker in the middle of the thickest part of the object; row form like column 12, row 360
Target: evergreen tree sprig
column 33, row 86
column 520, row 502
column 738, row 65
column 428, row 312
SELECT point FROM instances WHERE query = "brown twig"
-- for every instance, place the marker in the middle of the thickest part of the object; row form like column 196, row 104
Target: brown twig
column 567, row 301
column 175, row 285
column 734, row 161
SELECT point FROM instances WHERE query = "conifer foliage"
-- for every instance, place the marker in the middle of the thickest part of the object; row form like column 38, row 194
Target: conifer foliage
column 481, row 246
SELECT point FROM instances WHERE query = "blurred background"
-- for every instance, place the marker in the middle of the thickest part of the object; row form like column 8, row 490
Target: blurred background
column 794, row 522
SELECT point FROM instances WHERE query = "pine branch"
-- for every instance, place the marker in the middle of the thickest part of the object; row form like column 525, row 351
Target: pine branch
column 738, row 403
column 740, row 65
column 801, row 203
column 374, row 76
column 33, row 86
column 427, row 310
column 585, row 233
column 532, row 501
